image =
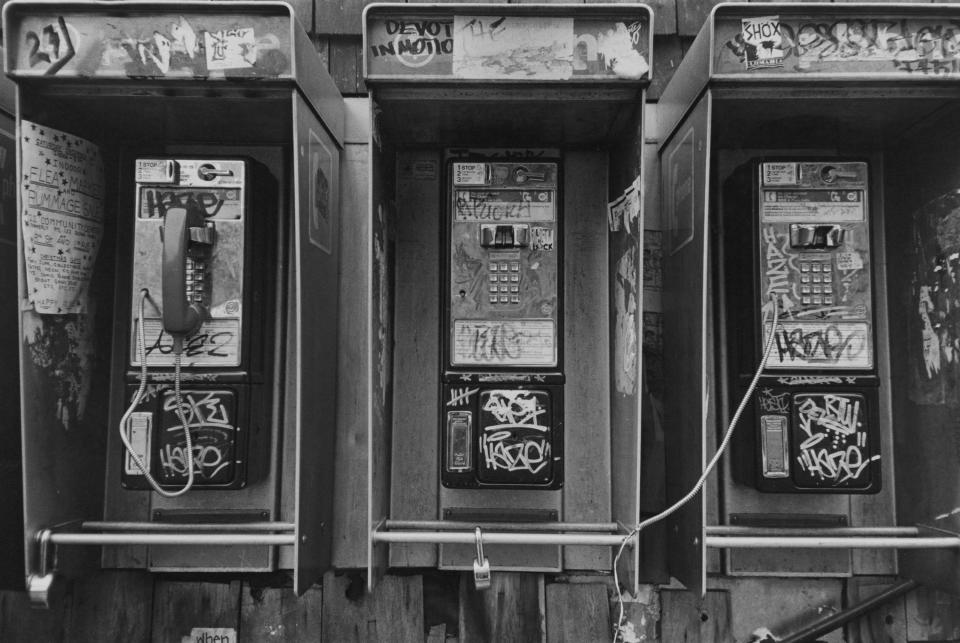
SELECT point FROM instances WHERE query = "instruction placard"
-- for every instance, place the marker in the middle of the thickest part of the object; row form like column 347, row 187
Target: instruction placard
column 62, row 217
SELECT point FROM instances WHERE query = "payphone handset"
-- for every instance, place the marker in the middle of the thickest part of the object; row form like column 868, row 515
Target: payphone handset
column 186, row 312
column 502, row 392
column 817, row 409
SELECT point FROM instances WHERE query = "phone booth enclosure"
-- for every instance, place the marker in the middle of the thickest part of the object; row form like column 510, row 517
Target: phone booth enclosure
column 243, row 160
column 506, row 404
column 796, row 178
column 11, row 469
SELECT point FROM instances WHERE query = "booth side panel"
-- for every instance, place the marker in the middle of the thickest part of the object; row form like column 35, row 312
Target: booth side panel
column 415, row 484
column 350, row 517
column 380, row 249
column 625, row 284
column 587, row 461
column 921, row 230
column 652, row 486
column 62, row 355
column 684, row 167
column 317, row 192
column 11, row 471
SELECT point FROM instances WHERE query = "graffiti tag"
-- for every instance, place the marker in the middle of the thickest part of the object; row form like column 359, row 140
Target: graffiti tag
column 519, row 442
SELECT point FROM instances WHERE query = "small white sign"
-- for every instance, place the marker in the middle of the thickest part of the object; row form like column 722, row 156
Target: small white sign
column 847, row 261
column 779, row 173
column 156, row 171
column 469, row 173
column 211, row 635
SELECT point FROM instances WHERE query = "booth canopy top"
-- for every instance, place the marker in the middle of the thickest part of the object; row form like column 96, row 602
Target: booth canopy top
column 813, row 42
column 512, row 43
column 159, row 42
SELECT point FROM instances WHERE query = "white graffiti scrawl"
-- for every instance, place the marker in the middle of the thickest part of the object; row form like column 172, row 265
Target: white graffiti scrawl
column 835, row 449
column 518, row 442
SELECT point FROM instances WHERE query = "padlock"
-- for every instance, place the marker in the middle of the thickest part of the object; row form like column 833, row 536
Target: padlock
column 481, row 566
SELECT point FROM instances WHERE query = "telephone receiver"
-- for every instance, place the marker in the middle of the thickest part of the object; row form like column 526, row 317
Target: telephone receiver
column 187, row 242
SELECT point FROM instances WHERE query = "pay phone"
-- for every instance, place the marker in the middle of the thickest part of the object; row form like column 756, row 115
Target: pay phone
column 807, row 244
column 502, row 398
column 197, row 301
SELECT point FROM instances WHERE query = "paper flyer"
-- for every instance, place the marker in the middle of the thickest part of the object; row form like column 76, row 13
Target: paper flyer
column 62, row 216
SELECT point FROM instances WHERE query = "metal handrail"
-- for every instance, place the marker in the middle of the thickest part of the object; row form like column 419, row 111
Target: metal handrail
column 454, row 525
column 832, row 542
column 103, row 525
column 500, row 538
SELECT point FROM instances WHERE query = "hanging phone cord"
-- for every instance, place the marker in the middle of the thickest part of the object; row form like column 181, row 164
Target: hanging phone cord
column 774, row 325
column 142, row 354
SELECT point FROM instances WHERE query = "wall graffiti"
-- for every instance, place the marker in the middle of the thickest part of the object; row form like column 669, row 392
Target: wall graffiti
column 821, row 323
column 771, row 402
column 834, row 446
column 61, row 349
column 495, row 46
column 626, row 304
column 517, row 441
column 153, row 46
column 934, row 320
column 812, row 380
column 516, row 342
column 208, row 415
column 461, row 396
column 414, row 43
column 911, row 46
column 829, row 344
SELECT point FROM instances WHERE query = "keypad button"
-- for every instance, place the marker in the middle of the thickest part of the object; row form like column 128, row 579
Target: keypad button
column 827, row 290
column 816, row 279
column 827, row 278
column 814, row 267
column 514, row 288
column 515, row 299
column 504, row 299
column 493, row 299
column 817, row 290
column 805, row 279
column 515, row 278
column 804, row 266
column 515, row 266
column 817, row 299
column 503, row 266
column 494, row 289
column 493, row 266
column 493, row 278
column 805, row 290
column 805, row 300
column 504, row 289
column 828, row 301
column 504, row 278
column 827, row 266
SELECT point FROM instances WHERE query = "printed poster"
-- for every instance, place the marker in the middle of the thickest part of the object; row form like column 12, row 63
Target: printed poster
column 321, row 189
column 521, row 46
column 62, row 217
column 762, row 43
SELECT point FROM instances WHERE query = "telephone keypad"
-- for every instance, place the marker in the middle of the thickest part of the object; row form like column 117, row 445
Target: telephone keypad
column 504, row 279
column 195, row 287
column 816, row 282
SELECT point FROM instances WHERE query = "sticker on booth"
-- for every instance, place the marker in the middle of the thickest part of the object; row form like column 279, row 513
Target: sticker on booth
column 762, row 42
column 321, row 194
